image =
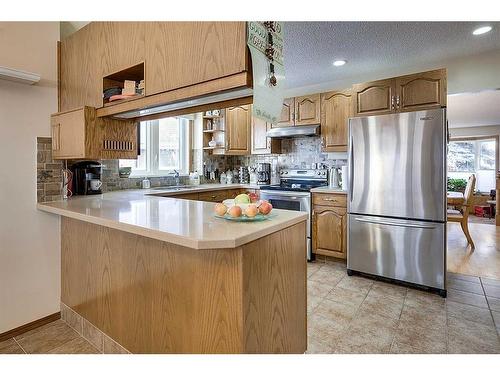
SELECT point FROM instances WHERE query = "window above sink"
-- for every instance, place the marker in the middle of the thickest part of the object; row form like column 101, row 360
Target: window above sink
column 164, row 148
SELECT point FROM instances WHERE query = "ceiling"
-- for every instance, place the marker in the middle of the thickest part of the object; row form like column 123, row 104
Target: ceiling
column 374, row 48
column 474, row 109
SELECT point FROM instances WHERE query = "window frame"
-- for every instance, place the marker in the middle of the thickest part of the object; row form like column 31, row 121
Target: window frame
column 153, row 150
column 477, row 153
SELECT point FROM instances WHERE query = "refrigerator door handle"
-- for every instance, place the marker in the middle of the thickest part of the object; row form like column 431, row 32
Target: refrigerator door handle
column 395, row 223
column 351, row 169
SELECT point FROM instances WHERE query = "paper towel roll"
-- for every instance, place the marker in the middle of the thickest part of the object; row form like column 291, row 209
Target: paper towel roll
column 344, row 177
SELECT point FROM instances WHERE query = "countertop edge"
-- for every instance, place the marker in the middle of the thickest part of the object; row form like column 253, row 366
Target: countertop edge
column 168, row 237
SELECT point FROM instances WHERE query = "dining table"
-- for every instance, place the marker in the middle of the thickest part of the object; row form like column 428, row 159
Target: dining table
column 454, row 198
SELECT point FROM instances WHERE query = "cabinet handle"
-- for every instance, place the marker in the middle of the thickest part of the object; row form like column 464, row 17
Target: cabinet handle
column 56, row 135
column 392, row 102
column 322, row 141
column 330, row 199
column 397, row 102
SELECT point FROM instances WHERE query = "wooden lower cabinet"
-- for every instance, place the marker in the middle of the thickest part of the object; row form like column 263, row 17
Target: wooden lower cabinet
column 329, row 230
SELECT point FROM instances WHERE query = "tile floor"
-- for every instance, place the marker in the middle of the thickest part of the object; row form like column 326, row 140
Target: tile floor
column 355, row 315
column 360, row 315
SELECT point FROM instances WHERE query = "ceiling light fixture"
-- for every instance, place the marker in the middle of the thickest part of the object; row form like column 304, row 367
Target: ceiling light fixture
column 482, row 30
column 339, row 62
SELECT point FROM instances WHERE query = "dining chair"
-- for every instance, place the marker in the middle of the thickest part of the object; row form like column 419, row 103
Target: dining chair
column 462, row 216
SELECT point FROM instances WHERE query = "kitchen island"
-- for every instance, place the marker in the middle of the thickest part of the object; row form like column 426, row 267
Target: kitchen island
column 163, row 275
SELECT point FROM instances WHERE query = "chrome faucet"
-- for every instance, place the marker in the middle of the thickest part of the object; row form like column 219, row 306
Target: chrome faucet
column 176, row 177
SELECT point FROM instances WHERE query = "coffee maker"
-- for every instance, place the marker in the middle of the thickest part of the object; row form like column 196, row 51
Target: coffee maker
column 87, row 178
column 264, row 174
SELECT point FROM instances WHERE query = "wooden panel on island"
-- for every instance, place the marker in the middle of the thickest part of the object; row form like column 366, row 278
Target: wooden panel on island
column 152, row 296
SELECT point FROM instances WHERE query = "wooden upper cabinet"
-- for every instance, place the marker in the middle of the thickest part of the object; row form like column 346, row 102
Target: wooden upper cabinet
column 68, row 133
column 128, row 45
column 425, row 90
column 307, row 110
column 374, row 98
column 261, row 143
column 287, row 113
column 421, row 91
column 80, row 75
column 79, row 134
column 180, row 54
column 336, row 108
column 237, row 130
column 330, row 231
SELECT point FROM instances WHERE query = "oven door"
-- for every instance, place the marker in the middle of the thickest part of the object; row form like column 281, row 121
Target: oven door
column 294, row 201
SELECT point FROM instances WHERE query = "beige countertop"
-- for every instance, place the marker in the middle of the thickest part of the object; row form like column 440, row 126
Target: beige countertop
column 326, row 189
column 179, row 221
column 171, row 191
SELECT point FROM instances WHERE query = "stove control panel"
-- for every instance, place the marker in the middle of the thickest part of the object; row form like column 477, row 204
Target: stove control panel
column 306, row 174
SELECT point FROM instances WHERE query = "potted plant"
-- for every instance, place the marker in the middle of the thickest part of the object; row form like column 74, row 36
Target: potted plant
column 457, row 184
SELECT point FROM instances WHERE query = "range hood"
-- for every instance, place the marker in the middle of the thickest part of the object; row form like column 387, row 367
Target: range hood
column 184, row 104
column 294, row 131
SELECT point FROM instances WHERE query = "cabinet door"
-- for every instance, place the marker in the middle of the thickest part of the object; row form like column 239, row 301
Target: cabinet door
column 237, row 130
column 80, row 72
column 307, row 110
column 68, row 135
column 336, row 108
column 425, row 90
column 260, row 141
column 287, row 114
column 121, row 45
column 181, row 54
column 374, row 98
column 329, row 231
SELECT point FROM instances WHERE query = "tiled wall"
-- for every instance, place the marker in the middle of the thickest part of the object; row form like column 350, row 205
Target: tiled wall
column 111, row 179
column 297, row 153
column 48, row 172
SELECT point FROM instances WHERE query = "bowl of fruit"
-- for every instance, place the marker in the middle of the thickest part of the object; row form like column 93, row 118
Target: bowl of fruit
column 244, row 207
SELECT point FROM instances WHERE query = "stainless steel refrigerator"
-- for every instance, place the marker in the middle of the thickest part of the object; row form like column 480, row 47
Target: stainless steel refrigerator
column 397, row 197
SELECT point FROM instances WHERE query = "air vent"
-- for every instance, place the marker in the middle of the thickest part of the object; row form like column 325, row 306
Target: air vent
column 113, row 145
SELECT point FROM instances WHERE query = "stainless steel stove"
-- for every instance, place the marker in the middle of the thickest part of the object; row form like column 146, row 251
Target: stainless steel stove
column 294, row 193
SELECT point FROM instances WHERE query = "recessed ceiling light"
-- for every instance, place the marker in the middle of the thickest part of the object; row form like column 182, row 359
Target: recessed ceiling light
column 482, row 30
column 339, row 62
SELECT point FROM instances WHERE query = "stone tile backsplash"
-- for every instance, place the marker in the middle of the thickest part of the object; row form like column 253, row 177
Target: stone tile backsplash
column 48, row 172
column 297, row 153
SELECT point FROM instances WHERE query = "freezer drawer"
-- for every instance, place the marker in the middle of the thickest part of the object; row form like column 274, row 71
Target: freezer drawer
column 406, row 250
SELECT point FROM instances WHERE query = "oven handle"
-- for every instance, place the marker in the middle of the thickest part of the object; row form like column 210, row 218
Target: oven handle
column 287, row 194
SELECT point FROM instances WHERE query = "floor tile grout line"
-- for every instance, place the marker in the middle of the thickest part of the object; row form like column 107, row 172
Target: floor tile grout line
column 18, row 344
column 489, row 308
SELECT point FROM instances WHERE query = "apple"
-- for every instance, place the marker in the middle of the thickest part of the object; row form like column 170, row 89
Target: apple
column 253, row 197
column 242, row 198
column 234, row 211
column 251, row 210
column 265, row 207
column 220, row 209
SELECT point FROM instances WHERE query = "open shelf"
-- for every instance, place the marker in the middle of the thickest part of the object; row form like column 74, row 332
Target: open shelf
column 117, row 79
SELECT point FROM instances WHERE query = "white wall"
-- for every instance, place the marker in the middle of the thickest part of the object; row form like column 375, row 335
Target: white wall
column 29, row 239
column 475, row 131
